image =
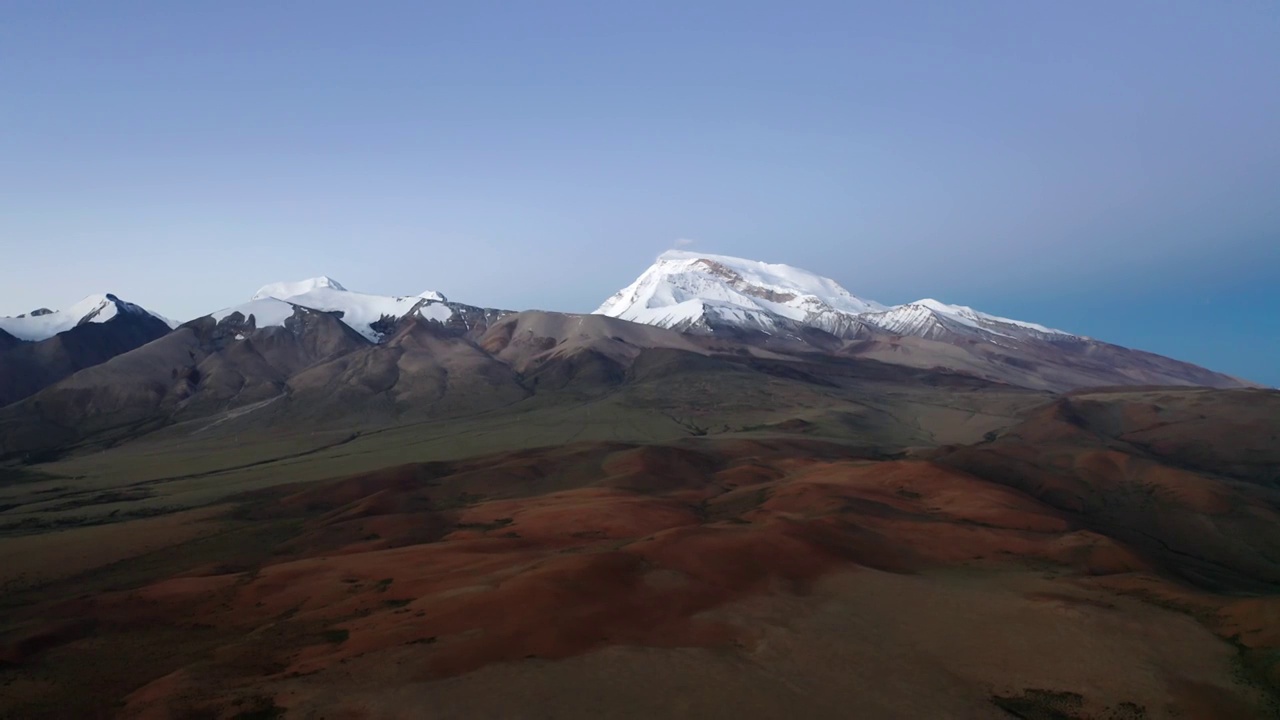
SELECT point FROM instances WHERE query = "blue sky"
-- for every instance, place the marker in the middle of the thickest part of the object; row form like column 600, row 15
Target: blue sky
column 1108, row 168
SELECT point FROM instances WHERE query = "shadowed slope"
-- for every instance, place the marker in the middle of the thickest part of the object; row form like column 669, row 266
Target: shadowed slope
column 528, row 339
column 28, row 367
column 1186, row 476
column 7, row 341
column 201, row 367
column 418, row 372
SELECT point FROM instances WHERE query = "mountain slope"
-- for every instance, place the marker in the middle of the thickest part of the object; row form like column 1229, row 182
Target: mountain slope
column 230, row 376
column 1188, row 477
column 725, row 296
column 43, row 324
column 7, row 341
column 91, row 332
column 1078, row 537
column 201, row 368
column 338, row 358
column 529, row 339
column 421, row 370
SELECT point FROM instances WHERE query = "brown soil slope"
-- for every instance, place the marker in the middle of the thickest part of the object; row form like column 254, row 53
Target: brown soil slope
column 1189, row 477
column 707, row 578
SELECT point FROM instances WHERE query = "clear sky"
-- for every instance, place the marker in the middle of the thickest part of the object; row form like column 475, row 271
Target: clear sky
column 1109, row 168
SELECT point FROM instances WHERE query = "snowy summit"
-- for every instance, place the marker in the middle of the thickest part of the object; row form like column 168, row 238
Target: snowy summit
column 700, row 292
column 43, row 324
column 272, row 304
column 685, row 290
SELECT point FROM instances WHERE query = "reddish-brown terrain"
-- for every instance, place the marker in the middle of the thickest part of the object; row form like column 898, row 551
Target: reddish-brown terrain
column 1083, row 564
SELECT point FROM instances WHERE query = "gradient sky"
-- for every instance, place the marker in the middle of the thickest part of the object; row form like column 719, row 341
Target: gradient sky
column 1108, row 168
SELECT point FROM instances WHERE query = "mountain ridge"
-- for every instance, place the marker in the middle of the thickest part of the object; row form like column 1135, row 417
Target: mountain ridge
column 724, row 296
column 43, row 323
column 47, row 346
column 684, row 289
column 372, row 316
column 711, row 306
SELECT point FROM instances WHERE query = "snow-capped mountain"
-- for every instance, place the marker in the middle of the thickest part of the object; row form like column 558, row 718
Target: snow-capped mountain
column 700, row 292
column 693, row 291
column 372, row 316
column 331, row 355
column 43, row 347
column 43, row 324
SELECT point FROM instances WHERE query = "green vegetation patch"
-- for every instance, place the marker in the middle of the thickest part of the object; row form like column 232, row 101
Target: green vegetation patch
column 1037, row 704
column 16, row 475
column 486, row 527
column 336, row 635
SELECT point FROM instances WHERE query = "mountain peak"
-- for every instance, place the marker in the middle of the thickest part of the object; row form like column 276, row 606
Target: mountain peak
column 688, row 290
column 370, row 315
column 781, row 279
column 286, row 290
column 685, row 290
column 45, row 323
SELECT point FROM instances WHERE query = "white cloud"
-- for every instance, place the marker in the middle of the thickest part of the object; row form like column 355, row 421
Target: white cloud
column 683, row 242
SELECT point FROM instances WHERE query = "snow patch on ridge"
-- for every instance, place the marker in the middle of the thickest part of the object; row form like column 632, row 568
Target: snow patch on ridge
column 94, row 308
column 266, row 312
column 286, row 290
column 436, row 311
column 360, row 311
column 972, row 315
